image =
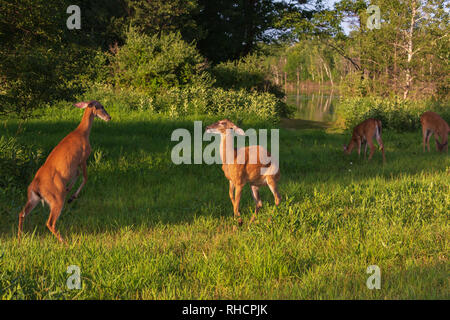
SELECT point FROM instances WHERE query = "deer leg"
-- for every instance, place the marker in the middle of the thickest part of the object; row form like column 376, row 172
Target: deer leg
column 231, row 192
column 372, row 148
column 237, row 199
column 365, row 150
column 425, row 137
column 56, row 203
column 33, row 200
column 359, row 147
column 446, row 146
column 436, row 139
column 273, row 187
column 75, row 195
column 74, row 179
column 429, row 134
column 258, row 202
column 380, row 143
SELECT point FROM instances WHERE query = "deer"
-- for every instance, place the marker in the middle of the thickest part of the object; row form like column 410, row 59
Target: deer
column 244, row 165
column 57, row 176
column 364, row 133
column 433, row 123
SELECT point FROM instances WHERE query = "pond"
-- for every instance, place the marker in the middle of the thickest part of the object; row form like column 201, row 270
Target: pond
column 316, row 106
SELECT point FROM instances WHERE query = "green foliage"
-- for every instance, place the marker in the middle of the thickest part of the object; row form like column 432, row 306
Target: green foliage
column 180, row 102
column 250, row 73
column 241, row 104
column 41, row 60
column 352, row 85
column 161, row 16
column 153, row 62
column 144, row 228
column 231, row 29
column 406, row 56
column 395, row 113
column 17, row 162
column 32, row 79
column 167, row 75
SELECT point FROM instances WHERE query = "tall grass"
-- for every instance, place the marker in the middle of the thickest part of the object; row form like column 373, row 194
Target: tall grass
column 395, row 113
column 144, row 228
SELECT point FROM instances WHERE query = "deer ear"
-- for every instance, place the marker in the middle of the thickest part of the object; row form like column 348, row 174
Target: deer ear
column 239, row 131
column 81, row 105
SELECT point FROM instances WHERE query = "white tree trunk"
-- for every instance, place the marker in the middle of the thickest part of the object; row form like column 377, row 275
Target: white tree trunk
column 410, row 49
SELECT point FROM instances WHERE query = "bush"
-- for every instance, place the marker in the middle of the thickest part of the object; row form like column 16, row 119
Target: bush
column 17, row 163
column 192, row 100
column 395, row 113
column 33, row 78
column 249, row 73
column 148, row 63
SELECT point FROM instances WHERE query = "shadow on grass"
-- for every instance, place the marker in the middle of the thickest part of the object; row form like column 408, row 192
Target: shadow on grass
column 299, row 124
column 142, row 187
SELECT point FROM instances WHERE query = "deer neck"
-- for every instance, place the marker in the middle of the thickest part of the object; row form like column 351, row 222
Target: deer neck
column 86, row 122
column 226, row 141
column 350, row 147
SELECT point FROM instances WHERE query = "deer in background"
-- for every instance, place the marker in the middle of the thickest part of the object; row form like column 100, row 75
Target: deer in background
column 239, row 174
column 363, row 133
column 62, row 167
column 433, row 123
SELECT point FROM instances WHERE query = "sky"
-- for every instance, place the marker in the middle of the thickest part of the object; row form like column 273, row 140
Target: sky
column 330, row 4
column 344, row 25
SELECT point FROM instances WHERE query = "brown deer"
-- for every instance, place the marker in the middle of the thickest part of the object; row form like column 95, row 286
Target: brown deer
column 433, row 123
column 363, row 133
column 62, row 167
column 245, row 166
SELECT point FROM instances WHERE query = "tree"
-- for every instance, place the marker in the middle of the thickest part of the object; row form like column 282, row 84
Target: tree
column 234, row 27
column 159, row 16
column 40, row 59
column 154, row 62
column 408, row 54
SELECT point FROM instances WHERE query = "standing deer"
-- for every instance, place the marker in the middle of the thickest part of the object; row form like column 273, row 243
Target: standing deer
column 62, row 167
column 433, row 123
column 363, row 133
column 239, row 173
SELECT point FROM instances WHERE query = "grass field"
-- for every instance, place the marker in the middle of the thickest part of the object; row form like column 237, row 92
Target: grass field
column 144, row 228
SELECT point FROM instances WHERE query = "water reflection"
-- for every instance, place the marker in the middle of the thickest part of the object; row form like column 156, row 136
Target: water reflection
column 317, row 106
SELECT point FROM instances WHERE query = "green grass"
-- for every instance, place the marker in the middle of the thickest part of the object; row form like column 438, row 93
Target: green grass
column 144, row 228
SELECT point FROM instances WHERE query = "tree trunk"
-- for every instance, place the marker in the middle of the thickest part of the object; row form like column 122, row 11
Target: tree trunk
column 328, row 71
column 285, row 76
column 395, row 68
column 409, row 50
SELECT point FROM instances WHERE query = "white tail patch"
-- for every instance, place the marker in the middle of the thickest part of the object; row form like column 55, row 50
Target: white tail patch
column 270, row 171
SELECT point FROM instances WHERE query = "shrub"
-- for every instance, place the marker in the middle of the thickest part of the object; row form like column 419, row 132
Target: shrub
column 395, row 113
column 33, row 78
column 250, row 73
column 192, row 100
column 17, row 163
column 148, row 63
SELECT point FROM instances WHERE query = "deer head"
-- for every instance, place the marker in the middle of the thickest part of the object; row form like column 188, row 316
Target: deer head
column 224, row 126
column 97, row 109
